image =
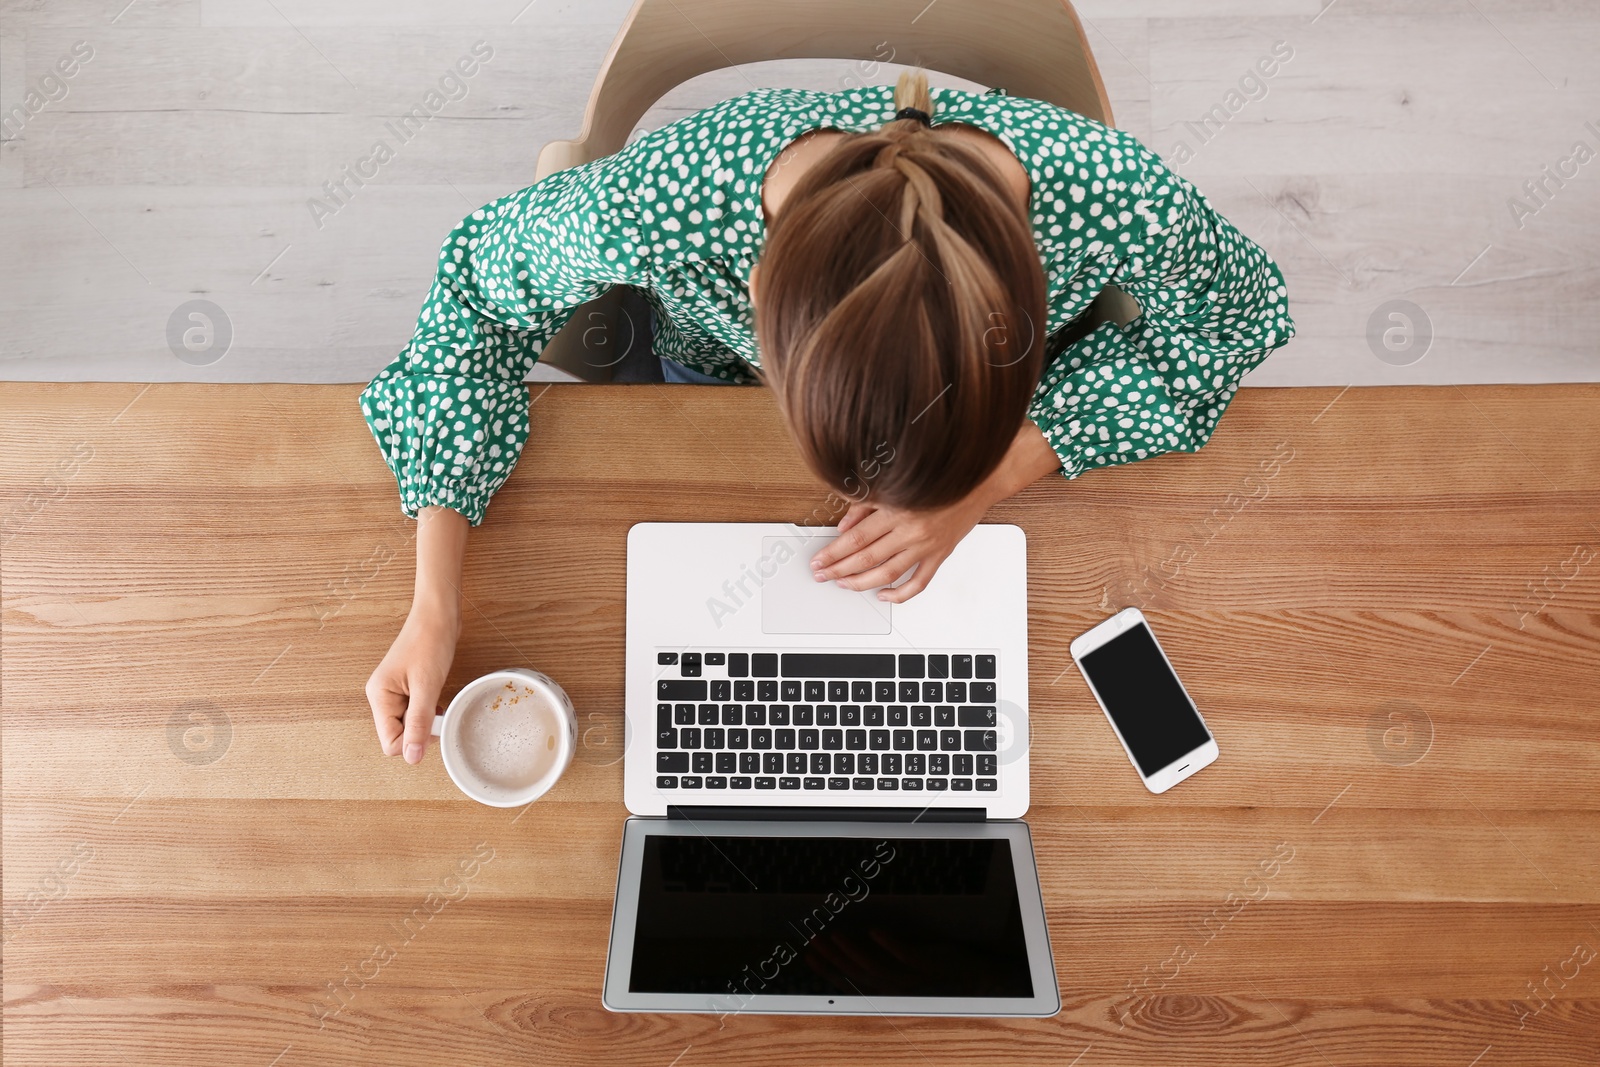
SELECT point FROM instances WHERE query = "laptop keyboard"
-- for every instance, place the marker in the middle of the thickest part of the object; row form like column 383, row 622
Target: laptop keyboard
column 824, row 721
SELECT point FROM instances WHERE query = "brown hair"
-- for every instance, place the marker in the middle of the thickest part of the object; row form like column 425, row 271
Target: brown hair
column 901, row 311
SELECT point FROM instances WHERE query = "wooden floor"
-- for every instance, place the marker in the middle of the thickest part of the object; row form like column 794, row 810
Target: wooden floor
column 1383, row 160
column 1389, row 613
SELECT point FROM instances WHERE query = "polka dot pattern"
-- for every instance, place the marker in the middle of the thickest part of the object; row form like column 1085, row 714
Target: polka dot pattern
column 677, row 213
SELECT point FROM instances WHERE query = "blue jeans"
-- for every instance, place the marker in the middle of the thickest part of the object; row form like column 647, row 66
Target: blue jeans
column 672, row 371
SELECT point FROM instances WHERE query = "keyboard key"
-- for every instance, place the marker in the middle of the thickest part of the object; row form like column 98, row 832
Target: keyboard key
column 788, row 783
column 988, row 785
column 783, row 739
column 916, row 763
column 803, row 715
column 911, row 785
column 927, row 740
column 716, row 781
column 986, row 765
column 982, row 692
column 939, row 763
column 691, row 664
column 891, row 763
column 949, row 740
column 838, row 665
column 738, row 738
column 955, row 692
column 700, row 762
column 732, row 714
column 827, row 715
column 899, row 715
column 689, row 737
column 710, row 715
column 867, row 763
column 766, row 783
column 977, row 715
column 832, row 740
column 815, row 783
column 844, row 763
column 850, row 715
column 809, row 739
column 689, row 781
column 962, row 763
column 861, row 692
column 744, row 690
column 944, row 715
column 910, row 692
column 861, row 783
column 764, row 665
column 816, row 691
column 902, row 740
column 727, row 762
column 755, row 714
column 665, row 658
column 789, row 689
column 838, row 692
column 911, row 665
column 821, row 763
column 672, row 762
column 714, row 737
column 749, row 763
column 939, row 666
column 938, row 785
column 667, row 738
column 878, row 740
column 795, row 762
column 874, row 715
column 961, row 785
column 738, row 666
column 766, row 690
column 985, row 667
column 838, row 783
column 981, row 740
column 933, row 692
column 680, row 689
column 663, row 716
column 721, row 689
column 760, row 738
column 683, row 714
column 740, row 782
column 888, row 784
column 855, row 740
column 771, row 762
column 667, row 781
column 715, row 659
column 922, row 715
column 961, row 666
column 778, row 715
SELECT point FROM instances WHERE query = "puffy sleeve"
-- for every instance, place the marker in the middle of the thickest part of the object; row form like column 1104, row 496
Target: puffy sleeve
column 1213, row 305
column 450, row 413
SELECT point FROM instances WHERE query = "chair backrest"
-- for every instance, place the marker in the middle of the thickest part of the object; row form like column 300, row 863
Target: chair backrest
column 1031, row 48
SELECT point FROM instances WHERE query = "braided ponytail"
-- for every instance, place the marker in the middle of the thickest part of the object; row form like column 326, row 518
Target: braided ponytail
column 902, row 312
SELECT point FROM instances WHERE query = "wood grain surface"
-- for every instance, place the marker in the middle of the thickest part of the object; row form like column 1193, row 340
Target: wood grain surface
column 1386, row 601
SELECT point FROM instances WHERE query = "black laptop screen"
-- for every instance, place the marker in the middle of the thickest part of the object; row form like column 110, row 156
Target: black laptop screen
column 788, row 916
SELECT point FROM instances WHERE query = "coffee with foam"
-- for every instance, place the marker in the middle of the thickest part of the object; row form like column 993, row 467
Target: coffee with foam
column 511, row 738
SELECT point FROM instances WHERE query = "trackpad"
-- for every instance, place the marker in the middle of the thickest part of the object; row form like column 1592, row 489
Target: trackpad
column 793, row 602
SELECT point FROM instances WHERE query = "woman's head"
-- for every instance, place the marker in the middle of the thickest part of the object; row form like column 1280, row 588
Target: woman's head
column 900, row 312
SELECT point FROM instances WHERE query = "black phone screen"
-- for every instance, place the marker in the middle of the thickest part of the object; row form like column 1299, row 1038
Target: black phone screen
column 1144, row 699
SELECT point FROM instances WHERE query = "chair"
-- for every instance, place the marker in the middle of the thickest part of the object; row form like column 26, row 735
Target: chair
column 1032, row 48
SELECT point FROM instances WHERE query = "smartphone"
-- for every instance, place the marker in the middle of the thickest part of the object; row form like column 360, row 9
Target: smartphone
column 1155, row 719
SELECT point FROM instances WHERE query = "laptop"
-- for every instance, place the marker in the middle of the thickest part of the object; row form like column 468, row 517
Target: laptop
column 825, row 789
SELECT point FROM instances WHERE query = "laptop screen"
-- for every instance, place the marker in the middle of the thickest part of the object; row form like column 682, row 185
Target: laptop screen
column 906, row 917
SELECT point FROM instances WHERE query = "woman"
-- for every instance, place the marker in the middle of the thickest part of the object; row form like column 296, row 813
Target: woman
column 922, row 259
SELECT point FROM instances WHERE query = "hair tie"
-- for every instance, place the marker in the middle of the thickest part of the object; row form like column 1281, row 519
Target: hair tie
column 916, row 114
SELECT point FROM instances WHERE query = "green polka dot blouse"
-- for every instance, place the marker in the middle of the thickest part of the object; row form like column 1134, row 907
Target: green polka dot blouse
column 677, row 213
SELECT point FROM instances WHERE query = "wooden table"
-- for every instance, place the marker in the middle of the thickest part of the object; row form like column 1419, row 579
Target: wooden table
column 1385, row 600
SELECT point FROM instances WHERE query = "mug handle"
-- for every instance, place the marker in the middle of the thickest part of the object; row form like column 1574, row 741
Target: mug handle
column 438, row 724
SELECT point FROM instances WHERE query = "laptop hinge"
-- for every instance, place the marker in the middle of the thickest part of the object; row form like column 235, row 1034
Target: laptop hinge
column 731, row 812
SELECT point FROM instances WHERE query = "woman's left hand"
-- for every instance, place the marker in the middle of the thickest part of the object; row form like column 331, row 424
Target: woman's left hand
column 877, row 545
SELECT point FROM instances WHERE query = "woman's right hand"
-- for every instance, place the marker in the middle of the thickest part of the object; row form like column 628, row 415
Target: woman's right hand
column 404, row 690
